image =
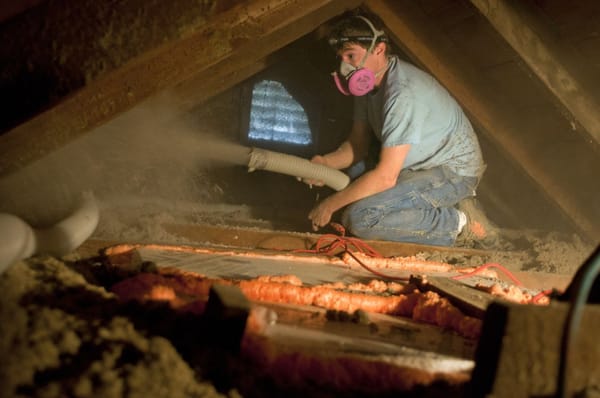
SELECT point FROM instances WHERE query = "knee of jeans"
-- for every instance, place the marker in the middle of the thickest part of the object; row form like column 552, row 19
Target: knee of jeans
column 358, row 219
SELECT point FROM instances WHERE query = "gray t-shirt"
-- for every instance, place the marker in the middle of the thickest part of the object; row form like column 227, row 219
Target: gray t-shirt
column 411, row 107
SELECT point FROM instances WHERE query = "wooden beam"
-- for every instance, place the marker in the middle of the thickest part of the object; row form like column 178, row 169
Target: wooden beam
column 231, row 46
column 550, row 61
column 413, row 31
column 282, row 240
column 257, row 55
column 523, row 342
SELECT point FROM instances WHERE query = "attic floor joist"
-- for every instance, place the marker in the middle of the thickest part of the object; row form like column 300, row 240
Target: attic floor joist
column 230, row 47
column 413, row 31
column 274, row 243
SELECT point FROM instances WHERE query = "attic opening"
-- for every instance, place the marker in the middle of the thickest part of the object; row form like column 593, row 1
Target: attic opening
column 279, row 114
column 276, row 117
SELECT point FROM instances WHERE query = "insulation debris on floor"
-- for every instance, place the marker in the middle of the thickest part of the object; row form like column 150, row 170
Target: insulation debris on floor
column 191, row 321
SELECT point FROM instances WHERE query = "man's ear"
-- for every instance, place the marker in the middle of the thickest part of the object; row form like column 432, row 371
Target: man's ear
column 380, row 48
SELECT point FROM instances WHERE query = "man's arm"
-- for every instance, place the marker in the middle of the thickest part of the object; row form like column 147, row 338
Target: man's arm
column 352, row 150
column 381, row 178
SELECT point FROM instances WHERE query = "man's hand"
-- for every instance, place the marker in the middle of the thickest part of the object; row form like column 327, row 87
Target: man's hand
column 321, row 215
column 318, row 159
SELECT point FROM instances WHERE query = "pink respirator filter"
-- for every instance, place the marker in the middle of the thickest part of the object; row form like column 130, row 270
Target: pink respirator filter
column 360, row 82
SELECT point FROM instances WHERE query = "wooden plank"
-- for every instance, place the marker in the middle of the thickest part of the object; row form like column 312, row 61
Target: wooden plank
column 519, row 351
column 546, row 57
column 268, row 241
column 253, row 238
column 236, row 40
column 373, row 326
column 414, row 32
column 262, row 239
column 256, row 55
column 471, row 301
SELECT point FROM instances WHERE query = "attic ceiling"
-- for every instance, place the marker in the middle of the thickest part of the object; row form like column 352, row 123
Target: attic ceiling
column 526, row 72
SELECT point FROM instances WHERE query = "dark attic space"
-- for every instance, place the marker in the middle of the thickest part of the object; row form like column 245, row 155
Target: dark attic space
column 160, row 198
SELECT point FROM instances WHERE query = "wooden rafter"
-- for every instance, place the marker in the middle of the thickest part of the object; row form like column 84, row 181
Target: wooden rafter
column 230, row 47
column 545, row 57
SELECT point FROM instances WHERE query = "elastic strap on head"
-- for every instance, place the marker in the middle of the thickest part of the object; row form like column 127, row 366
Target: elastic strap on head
column 376, row 34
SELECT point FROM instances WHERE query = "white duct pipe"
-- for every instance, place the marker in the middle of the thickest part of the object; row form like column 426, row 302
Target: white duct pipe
column 19, row 240
column 263, row 159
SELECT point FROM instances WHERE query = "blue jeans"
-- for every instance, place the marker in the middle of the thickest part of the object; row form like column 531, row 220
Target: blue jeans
column 419, row 209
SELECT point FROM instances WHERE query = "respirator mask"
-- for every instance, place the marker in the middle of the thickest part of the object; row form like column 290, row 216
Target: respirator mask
column 351, row 80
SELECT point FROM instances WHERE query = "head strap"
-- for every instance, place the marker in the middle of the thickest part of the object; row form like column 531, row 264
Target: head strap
column 376, row 33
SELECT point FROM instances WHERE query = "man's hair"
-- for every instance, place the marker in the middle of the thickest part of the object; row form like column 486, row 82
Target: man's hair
column 353, row 30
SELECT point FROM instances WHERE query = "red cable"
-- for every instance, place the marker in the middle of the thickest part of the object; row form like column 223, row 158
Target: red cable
column 382, row 275
column 342, row 241
column 489, row 265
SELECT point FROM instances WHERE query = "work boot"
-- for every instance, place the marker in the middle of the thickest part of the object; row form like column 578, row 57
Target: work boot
column 479, row 231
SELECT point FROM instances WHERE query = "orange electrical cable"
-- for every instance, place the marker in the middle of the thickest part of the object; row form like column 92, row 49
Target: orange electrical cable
column 328, row 244
column 490, row 265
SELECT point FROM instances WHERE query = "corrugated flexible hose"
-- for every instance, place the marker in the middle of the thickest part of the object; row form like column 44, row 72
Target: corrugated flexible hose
column 262, row 159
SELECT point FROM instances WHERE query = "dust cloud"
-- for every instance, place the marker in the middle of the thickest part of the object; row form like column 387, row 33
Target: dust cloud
column 148, row 166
